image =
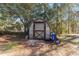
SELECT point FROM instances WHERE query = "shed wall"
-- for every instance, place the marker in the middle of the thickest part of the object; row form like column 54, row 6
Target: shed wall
column 47, row 31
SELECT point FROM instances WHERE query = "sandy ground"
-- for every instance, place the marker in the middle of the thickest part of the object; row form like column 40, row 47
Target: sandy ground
column 36, row 47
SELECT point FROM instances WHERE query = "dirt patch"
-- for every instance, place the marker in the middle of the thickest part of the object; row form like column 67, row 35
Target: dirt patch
column 36, row 47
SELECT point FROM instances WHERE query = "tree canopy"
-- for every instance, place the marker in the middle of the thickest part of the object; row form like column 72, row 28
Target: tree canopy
column 62, row 17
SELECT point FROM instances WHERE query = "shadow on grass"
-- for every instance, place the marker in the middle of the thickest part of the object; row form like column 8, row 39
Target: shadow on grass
column 51, row 49
column 22, row 41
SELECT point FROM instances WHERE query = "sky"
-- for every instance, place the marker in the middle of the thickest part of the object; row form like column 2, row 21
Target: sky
column 76, row 7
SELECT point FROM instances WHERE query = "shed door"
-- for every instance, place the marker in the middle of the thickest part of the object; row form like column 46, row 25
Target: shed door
column 39, row 30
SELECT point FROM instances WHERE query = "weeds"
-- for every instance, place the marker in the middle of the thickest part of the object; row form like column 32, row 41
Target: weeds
column 10, row 45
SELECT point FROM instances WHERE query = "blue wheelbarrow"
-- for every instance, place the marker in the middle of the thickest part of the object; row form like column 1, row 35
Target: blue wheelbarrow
column 54, row 38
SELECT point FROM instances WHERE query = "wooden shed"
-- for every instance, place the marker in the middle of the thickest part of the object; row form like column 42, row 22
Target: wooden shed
column 39, row 29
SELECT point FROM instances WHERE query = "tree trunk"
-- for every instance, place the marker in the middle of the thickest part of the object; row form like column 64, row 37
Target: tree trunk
column 61, row 26
column 28, row 32
column 25, row 31
column 68, row 26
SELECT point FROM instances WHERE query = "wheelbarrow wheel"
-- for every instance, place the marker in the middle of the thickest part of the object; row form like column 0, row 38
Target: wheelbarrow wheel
column 57, row 42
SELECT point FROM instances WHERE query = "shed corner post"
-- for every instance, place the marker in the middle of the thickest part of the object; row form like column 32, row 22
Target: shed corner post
column 44, row 30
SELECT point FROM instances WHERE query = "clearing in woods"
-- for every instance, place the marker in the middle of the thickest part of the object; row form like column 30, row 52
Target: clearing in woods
column 14, row 45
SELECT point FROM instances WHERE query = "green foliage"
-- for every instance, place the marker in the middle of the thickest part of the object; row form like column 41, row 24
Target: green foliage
column 10, row 45
column 61, row 18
